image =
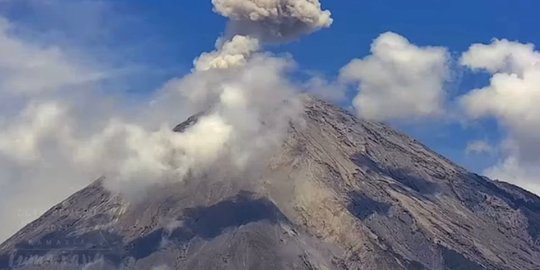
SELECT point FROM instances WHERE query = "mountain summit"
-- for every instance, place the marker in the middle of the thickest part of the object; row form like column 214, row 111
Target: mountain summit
column 341, row 193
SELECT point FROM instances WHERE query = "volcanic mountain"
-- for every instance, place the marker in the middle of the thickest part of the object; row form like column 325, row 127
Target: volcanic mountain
column 341, row 193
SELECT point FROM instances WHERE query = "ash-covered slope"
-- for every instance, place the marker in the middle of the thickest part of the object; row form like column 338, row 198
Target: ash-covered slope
column 342, row 193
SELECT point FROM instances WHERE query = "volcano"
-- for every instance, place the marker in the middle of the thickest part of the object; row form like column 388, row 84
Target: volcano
column 341, row 193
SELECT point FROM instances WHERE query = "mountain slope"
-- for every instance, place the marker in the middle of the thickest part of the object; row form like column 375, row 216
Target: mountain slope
column 342, row 193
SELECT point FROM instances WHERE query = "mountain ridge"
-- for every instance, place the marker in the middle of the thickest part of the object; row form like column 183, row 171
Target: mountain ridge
column 341, row 193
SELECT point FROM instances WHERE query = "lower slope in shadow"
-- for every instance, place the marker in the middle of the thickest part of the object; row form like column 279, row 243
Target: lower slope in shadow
column 210, row 222
column 243, row 232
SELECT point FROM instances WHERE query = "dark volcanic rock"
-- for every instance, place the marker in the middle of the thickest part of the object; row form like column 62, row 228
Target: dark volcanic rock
column 191, row 121
column 341, row 193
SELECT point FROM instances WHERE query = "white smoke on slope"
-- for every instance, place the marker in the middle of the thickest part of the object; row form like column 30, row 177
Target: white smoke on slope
column 246, row 113
column 60, row 131
column 479, row 147
column 273, row 20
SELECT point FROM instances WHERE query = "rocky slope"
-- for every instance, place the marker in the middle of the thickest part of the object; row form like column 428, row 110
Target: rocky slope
column 342, row 193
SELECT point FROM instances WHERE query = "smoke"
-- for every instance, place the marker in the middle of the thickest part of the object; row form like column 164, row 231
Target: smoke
column 246, row 112
column 244, row 98
column 244, row 95
column 62, row 130
column 233, row 53
column 273, row 20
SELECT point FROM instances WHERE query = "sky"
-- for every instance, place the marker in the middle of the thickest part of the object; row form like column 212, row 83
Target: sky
column 463, row 77
column 167, row 35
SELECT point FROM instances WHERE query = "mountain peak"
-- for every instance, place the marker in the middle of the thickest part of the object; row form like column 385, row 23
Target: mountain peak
column 341, row 193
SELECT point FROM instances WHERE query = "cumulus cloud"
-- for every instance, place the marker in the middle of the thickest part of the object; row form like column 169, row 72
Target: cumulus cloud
column 518, row 173
column 273, row 20
column 34, row 137
column 479, row 147
column 325, row 89
column 511, row 98
column 500, row 56
column 48, row 67
column 399, row 80
column 34, row 164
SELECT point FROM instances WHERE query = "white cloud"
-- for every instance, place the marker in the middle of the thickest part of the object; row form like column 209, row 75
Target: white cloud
column 399, row 80
column 500, row 56
column 522, row 175
column 37, row 122
column 511, row 98
column 27, row 69
column 34, row 127
column 34, row 165
column 479, row 147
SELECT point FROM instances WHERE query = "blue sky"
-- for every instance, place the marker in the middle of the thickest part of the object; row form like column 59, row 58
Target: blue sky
column 165, row 36
column 453, row 24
